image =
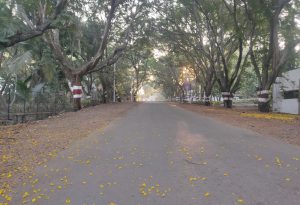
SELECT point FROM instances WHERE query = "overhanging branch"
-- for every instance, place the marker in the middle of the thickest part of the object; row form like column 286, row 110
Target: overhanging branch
column 36, row 30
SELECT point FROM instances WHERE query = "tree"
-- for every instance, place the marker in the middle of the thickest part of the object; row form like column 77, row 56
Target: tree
column 213, row 36
column 120, row 16
column 168, row 76
column 228, row 29
column 12, row 66
column 187, row 31
column 32, row 19
column 137, row 58
column 273, row 40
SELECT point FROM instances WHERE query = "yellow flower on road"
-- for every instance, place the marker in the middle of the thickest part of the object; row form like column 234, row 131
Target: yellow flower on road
column 207, row 194
column 26, row 194
column 240, row 201
column 278, row 161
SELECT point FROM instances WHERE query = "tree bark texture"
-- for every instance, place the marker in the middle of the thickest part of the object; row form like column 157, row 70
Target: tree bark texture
column 263, row 101
column 227, row 99
column 76, row 92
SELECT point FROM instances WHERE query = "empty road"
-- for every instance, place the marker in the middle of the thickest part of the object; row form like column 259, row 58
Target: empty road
column 159, row 154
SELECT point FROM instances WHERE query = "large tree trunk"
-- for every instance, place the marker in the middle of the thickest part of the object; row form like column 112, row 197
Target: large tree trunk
column 207, row 101
column 227, row 99
column 77, row 104
column 207, row 95
column 77, row 93
column 264, row 107
column 263, row 101
column 228, row 103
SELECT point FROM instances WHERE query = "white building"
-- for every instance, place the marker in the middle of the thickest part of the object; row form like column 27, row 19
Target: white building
column 286, row 93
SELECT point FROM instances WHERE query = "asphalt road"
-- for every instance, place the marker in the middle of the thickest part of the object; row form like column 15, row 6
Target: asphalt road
column 158, row 154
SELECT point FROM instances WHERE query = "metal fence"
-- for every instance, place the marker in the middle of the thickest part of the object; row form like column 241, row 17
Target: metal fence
column 15, row 108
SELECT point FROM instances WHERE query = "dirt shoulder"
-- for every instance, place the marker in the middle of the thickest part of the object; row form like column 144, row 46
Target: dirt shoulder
column 281, row 126
column 24, row 146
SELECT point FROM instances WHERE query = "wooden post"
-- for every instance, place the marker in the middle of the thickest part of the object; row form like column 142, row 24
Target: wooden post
column 8, row 104
column 299, row 98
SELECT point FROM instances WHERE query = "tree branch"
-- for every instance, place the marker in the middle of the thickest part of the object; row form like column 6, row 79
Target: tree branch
column 35, row 30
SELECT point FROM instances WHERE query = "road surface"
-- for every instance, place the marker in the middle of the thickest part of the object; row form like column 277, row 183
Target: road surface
column 159, row 154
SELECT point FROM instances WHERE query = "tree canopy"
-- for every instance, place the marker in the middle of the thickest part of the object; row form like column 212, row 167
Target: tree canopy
column 222, row 44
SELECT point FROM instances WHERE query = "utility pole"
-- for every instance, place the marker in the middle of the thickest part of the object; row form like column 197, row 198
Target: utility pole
column 114, row 98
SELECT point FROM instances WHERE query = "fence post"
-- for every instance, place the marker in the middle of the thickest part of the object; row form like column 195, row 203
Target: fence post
column 55, row 103
column 299, row 98
column 49, row 103
column 24, row 109
column 37, row 106
column 8, row 104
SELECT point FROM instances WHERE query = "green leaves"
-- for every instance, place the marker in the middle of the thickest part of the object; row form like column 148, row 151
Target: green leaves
column 15, row 64
column 23, row 89
column 9, row 24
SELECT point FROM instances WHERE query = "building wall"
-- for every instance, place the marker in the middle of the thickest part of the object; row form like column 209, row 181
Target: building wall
column 288, row 82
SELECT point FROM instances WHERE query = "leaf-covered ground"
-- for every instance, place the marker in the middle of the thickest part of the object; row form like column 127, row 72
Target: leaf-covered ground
column 161, row 154
column 281, row 126
column 25, row 146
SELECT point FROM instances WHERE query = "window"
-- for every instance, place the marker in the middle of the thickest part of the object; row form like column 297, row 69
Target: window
column 292, row 94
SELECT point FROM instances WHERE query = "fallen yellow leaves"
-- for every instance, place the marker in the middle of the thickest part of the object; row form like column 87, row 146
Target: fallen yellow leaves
column 287, row 179
column 68, row 200
column 273, row 116
column 24, row 147
column 4, row 193
column 9, row 175
column 193, row 179
column 185, row 151
column 8, row 198
column 207, row 194
column 33, row 200
column 278, row 161
column 25, row 195
column 258, row 158
column 146, row 190
column 240, row 201
column 35, row 181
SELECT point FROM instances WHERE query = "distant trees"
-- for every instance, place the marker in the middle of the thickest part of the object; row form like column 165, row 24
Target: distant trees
column 188, row 37
column 167, row 74
column 138, row 58
column 220, row 39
